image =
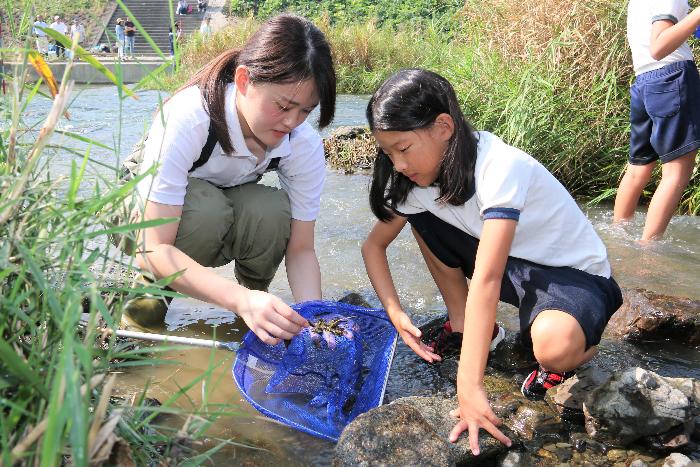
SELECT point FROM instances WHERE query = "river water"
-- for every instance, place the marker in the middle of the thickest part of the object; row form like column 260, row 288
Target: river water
column 671, row 266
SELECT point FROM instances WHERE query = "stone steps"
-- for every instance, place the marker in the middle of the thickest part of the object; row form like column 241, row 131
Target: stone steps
column 154, row 16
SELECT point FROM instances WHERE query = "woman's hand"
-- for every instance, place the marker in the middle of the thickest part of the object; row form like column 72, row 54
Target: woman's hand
column 475, row 412
column 411, row 336
column 269, row 317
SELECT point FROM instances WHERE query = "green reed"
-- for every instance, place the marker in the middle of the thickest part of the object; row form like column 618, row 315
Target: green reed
column 549, row 77
column 61, row 284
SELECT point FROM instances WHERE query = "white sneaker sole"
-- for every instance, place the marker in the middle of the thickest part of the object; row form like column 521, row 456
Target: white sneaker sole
column 497, row 340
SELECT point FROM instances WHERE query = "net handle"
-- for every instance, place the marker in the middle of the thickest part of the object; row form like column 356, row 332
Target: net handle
column 153, row 337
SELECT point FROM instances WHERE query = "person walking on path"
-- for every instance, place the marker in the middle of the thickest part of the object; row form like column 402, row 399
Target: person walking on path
column 664, row 110
column 59, row 26
column 130, row 37
column 205, row 29
column 77, row 32
column 42, row 42
column 241, row 115
column 121, row 37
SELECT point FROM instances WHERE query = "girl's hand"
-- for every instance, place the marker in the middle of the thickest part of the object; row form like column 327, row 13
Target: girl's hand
column 411, row 336
column 269, row 317
column 475, row 412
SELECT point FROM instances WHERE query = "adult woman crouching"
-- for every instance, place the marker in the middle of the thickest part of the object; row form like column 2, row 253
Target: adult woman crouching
column 243, row 114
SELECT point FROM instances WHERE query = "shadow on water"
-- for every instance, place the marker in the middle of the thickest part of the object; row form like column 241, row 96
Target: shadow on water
column 671, row 266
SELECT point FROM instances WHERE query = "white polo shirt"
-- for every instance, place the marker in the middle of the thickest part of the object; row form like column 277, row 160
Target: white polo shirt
column 641, row 14
column 38, row 32
column 176, row 139
column 59, row 27
column 510, row 184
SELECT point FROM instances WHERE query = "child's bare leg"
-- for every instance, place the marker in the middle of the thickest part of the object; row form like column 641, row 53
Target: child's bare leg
column 631, row 186
column 559, row 342
column 675, row 176
column 451, row 283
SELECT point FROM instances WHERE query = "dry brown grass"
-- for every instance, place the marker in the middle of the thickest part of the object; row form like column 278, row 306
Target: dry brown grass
column 562, row 33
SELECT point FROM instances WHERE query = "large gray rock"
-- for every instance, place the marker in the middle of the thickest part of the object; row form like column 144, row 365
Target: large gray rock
column 646, row 316
column 639, row 403
column 568, row 398
column 410, row 431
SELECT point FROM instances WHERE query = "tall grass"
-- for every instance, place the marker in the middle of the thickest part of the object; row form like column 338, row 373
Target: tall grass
column 389, row 13
column 549, row 77
column 57, row 366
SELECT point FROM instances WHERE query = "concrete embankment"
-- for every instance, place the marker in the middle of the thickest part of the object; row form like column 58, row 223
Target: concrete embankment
column 84, row 73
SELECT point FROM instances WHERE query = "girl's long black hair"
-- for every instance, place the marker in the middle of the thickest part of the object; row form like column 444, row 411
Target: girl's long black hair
column 411, row 100
column 286, row 49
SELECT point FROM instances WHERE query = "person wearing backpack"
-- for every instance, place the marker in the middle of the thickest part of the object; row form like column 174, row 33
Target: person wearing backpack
column 248, row 108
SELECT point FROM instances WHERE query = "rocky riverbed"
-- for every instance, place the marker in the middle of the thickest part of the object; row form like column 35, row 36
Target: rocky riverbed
column 605, row 415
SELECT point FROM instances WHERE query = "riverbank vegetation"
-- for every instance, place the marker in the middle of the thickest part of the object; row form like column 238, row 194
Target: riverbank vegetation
column 549, row 77
column 62, row 288
column 18, row 16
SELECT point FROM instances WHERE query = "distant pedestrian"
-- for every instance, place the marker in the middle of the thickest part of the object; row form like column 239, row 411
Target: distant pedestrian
column 59, row 26
column 42, row 42
column 179, row 33
column 205, row 28
column 202, row 6
column 182, row 7
column 130, row 35
column 121, row 37
column 171, row 40
column 77, row 33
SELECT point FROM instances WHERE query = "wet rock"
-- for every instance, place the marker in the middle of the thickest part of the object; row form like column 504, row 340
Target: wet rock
column 395, row 433
column 675, row 438
column 678, row 460
column 516, row 459
column 696, row 425
column 638, row 403
column 645, row 316
column 583, row 443
column 534, row 419
column 567, row 398
column 350, row 149
column 513, row 354
column 616, row 455
column 410, row 431
column 354, row 298
column 436, row 411
column 638, row 463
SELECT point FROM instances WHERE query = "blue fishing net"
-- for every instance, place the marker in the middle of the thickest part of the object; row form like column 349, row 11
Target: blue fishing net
column 325, row 376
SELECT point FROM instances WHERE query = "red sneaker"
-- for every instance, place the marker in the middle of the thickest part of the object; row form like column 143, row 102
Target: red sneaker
column 536, row 384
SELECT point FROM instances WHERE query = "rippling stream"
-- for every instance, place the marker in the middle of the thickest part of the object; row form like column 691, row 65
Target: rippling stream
column 671, row 266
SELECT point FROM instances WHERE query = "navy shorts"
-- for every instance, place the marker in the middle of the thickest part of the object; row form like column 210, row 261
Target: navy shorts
column 665, row 113
column 529, row 286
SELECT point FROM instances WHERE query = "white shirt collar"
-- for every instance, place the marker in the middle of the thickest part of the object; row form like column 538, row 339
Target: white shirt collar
column 283, row 149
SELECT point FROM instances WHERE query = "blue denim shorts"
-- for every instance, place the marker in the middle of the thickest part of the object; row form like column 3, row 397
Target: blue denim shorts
column 665, row 113
column 529, row 286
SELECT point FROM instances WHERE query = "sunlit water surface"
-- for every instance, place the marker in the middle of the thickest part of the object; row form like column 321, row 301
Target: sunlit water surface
column 671, row 266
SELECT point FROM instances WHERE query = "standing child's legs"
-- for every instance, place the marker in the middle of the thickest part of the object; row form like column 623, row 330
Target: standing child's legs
column 665, row 126
column 631, row 186
column 675, row 176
